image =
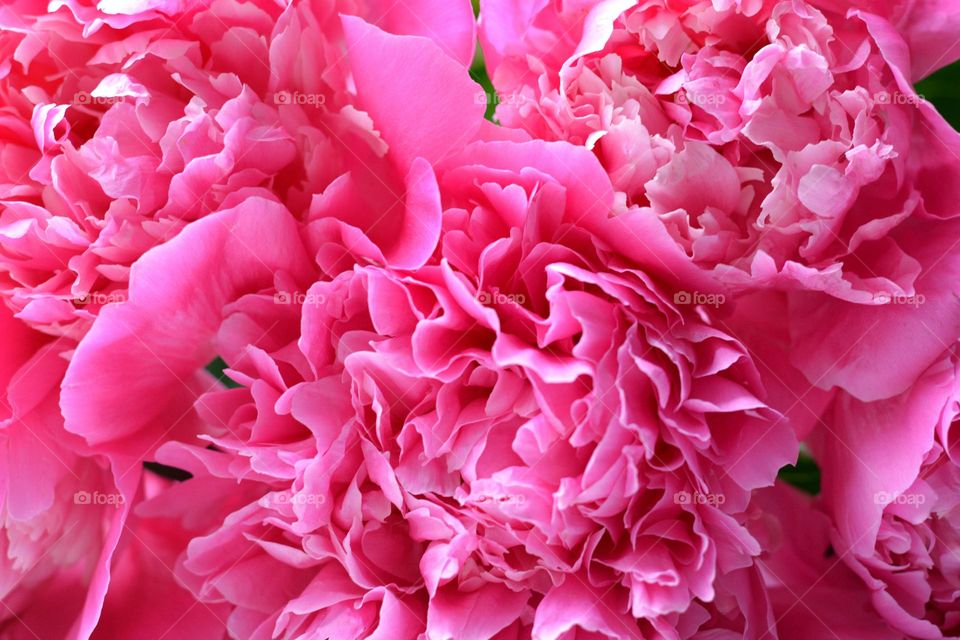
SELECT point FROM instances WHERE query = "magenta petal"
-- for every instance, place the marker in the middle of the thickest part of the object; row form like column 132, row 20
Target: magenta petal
column 449, row 23
column 440, row 111
column 576, row 605
column 421, row 225
column 153, row 345
column 874, row 449
column 476, row 615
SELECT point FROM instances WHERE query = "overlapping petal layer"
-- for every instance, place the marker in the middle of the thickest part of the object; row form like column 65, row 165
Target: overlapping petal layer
column 534, row 380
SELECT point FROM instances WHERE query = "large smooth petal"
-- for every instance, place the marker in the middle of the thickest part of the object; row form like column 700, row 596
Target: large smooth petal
column 870, row 451
column 449, row 23
column 422, row 101
column 143, row 355
column 878, row 351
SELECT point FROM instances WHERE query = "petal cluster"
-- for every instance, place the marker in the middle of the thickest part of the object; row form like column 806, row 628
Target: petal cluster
column 296, row 344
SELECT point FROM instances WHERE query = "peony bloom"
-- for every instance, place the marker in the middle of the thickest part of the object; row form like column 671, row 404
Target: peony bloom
column 57, row 534
column 896, row 514
column 914, row 571
column 805, row 576
column 481, row 382
column 782, row 145
column 771, row 145
column 475, row 418
column 69, row 539
column 779, row 143
column 175, row 107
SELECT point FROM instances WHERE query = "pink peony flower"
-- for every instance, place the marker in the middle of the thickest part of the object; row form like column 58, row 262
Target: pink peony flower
column 805, row 575
column 57, row 536
column 895, row 513
column 777, row 143
column 70, row 542
column 534, row 380
column 476, row 423
column 184, row 106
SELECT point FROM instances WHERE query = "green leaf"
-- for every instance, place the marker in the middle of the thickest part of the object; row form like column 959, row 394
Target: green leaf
column 165, row 471
column 216, row 367
column 478, row 71
column 940, row 88
column 805, row 475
